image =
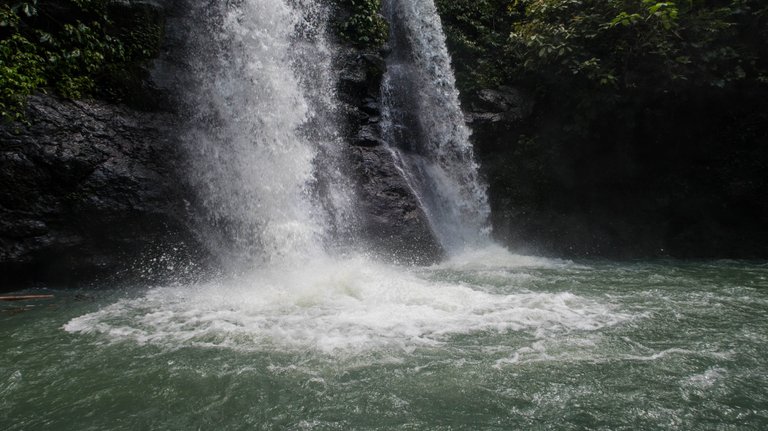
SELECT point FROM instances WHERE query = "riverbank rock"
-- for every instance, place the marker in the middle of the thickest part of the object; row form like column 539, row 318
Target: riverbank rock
column 661, row 185
column 87, row 190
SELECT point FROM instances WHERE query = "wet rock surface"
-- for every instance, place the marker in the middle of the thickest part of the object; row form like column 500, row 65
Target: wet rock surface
column 93, row 191
column 392, row 221
column 627, row 195
column 87, row 190
column 505, row 104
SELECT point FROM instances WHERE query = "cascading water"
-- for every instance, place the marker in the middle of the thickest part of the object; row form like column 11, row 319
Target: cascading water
column 258, row 90
column 424, row 125
column 264, row 150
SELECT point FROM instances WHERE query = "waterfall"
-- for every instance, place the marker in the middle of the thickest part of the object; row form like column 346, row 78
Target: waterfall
column 264, row 154
column 258, row 86
column 425, row 127
column 257, row 83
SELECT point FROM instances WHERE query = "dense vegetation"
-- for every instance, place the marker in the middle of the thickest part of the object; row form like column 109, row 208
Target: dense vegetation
column 649, row 125
column 361, row 24
column 610, row 45
column 75, row 47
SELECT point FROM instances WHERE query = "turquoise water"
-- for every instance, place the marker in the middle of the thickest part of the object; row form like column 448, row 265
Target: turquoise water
column 482, row 342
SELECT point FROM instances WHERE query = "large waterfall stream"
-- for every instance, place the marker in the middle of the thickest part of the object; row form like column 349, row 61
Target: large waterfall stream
column 258, row 89
column 302, row 332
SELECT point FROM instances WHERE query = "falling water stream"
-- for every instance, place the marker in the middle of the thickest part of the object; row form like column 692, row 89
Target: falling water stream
column 425, row 127
column 257, row 83
column 303, row 333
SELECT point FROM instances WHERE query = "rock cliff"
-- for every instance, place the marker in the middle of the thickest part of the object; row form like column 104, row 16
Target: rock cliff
column 88, row 189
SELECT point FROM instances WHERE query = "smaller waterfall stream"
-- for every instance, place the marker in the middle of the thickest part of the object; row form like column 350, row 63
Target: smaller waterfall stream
column 425, row 126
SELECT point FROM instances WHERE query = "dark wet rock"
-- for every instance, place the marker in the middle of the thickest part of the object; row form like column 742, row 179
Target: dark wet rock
column 375, row 67
column 360, row 77
column 371, row 106
column 91, row 190
column 368, row 136
column 505, row 104
column 394, row 224
column 658, row 185
column 87, row 189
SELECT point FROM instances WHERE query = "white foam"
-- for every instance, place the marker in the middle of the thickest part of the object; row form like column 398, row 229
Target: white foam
column 494, row 256
column 707, row 379
column 331, row 306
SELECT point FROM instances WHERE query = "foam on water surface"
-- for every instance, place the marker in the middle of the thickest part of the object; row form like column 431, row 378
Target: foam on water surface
column 343, row 306
column 495, row 257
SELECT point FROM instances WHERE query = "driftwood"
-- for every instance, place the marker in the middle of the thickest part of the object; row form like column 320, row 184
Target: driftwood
column 25, row 297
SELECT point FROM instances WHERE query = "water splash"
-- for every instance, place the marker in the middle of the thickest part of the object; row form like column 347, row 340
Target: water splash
column 424, row 124
column 338, row 307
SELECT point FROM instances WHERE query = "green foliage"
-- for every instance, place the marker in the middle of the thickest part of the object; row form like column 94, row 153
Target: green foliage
column 364, row 26
column 75, row 47
column 627, row 43
column 610, row 44
column 658, row 99
column 21, row 72
column 477, row 32
column 590, row 60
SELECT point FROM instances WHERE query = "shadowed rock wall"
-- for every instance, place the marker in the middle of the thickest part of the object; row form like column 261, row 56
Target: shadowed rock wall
column 87, row 189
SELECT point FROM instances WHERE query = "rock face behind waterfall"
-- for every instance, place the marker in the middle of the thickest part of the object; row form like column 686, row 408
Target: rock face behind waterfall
column 85, row 190
column 90, row 189
column 393, row 221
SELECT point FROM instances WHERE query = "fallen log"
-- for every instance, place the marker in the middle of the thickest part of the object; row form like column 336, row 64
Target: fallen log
column 24, row 297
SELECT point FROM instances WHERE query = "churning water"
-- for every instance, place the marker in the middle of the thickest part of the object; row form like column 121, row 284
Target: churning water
column 335, row 307
column 489, row 341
